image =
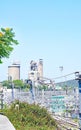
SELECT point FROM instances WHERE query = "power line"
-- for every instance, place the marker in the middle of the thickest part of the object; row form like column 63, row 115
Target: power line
column 64, row 75
column 67, row 75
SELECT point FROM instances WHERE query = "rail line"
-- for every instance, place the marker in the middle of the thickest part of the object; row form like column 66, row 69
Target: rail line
column 65, row 123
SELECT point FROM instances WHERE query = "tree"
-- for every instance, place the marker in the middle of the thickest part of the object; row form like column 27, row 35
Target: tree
column 6, row 42
column 6, row 83
column 21, row 84
column 18, row 83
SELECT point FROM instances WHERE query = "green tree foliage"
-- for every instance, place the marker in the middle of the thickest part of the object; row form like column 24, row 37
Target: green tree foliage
column 21, row 84
column 6, row 42
column 45, row 87
column 18, row 83
column 6, row 83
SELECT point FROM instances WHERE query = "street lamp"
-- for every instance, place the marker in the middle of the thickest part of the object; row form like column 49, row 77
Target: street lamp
column 61, row 68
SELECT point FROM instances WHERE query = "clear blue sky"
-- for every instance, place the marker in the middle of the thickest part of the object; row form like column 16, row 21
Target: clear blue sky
column 46, row 29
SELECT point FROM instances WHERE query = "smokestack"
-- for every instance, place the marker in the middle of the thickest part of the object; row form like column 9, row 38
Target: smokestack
column 40, row 68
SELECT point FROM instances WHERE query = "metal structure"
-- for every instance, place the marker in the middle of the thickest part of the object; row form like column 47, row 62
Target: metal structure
column 78, row 77
column 29, row 82
column 36, row 70
column 12, row 86
column 1, row 99
column 46, row 81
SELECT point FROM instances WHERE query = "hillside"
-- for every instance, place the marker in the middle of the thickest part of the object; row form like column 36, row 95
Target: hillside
column 70, row 83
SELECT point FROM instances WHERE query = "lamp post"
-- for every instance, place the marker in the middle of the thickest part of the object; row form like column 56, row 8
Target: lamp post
column 78, row 77
column 61, row 68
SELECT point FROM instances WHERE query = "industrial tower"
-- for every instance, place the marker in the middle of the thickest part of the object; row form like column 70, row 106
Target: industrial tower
column 14, row 72
column 36, row 70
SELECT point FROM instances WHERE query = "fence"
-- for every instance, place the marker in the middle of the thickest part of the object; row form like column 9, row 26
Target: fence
column 1, row 99
column 43, row 98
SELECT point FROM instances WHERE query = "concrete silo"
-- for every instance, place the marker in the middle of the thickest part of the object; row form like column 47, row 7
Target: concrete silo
column 14, row 72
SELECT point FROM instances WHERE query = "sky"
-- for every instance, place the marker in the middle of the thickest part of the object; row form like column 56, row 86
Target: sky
column 46, row 29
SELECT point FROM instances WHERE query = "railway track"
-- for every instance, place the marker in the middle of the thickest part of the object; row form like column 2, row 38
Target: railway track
column 65, row 123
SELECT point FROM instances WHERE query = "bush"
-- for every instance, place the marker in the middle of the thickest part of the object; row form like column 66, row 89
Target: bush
column 30, row 117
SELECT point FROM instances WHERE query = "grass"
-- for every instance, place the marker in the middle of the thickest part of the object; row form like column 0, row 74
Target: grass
column 29, row 117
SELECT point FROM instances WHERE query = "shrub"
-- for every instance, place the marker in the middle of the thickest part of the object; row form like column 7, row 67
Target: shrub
column 30, row 117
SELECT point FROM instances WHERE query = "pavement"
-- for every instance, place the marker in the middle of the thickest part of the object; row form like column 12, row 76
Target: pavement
column 5, row 124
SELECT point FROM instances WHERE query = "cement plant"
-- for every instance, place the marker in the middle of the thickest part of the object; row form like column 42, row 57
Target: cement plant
column 62, row 101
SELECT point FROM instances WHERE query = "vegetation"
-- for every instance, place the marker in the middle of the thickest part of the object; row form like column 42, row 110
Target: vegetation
column 6, row 42
column 6, row 83
column 18, row 84
column 29, row 117
column 69, row 83
column 44, row 87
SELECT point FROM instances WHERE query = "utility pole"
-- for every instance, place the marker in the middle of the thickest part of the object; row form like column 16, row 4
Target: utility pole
column 12, row 91
column 78, row 77
column 12, row 86
column 29, row 82
column 1, row 99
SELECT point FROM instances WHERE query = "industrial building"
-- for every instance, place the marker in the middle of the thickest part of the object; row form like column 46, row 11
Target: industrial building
column 14, row 72
column 36, row 70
